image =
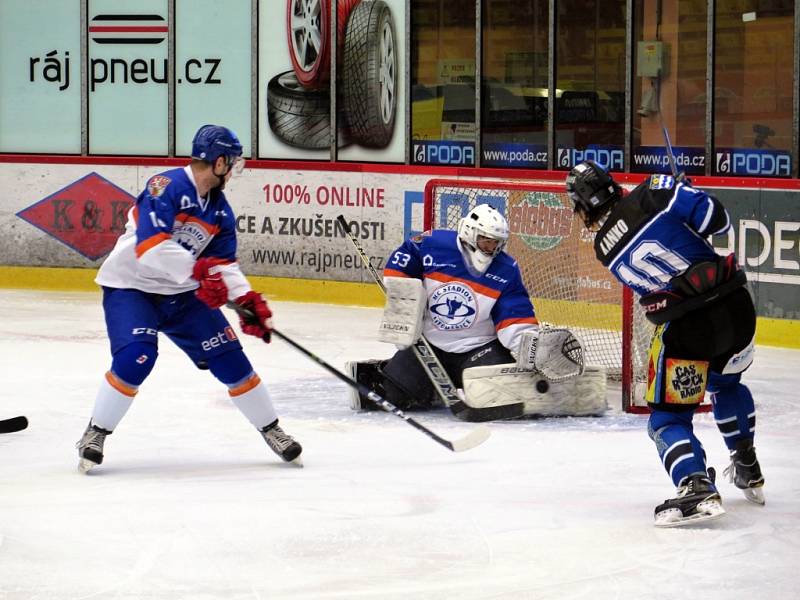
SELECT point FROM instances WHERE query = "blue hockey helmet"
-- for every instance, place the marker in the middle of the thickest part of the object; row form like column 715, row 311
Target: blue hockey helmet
column 212, row 141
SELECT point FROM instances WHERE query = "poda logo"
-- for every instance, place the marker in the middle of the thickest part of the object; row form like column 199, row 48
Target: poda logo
column 754, row 162
column 453, row 306
column 610, row 157
column 541, row 220
column 723, row 162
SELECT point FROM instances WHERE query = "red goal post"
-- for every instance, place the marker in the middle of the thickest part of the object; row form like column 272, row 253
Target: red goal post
column 568, row 286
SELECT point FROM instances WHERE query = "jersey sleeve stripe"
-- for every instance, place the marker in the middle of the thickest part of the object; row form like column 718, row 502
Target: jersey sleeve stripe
column 151, row 242
column 387, row 272
column 707, row 218
column 481, row 289
column 509, row 322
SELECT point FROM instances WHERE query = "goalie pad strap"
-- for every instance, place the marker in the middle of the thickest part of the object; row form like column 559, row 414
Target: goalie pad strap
column 403, row 312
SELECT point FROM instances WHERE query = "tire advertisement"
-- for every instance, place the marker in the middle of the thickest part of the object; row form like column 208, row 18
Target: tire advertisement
column 295, row 87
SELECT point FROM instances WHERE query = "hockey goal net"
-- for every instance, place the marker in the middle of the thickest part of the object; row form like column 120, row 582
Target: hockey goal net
column 568, row 286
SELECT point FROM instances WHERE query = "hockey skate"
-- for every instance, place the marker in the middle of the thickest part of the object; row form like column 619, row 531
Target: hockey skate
column 745, row 472
column 697, row 501
column 282, row 443
column 90, row 447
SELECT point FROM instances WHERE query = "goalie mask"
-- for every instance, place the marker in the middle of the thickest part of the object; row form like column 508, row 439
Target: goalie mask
column 483, row 234
column 592, row 192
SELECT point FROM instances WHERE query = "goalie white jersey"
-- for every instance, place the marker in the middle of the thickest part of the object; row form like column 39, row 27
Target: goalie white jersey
column 465, row 310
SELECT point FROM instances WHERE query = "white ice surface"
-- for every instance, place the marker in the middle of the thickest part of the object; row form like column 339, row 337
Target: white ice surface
column 190, row 502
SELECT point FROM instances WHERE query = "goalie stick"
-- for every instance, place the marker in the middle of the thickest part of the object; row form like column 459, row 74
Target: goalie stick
column 13, row 424
column 474, row 438
column 441, row 381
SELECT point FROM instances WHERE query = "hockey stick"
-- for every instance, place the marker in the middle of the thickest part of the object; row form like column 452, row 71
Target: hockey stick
column 441, row 381
column 474, row 438
column 13, row 424
column 673, row 166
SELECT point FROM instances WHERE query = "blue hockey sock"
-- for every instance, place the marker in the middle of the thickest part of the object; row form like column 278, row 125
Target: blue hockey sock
column 734, row 409
column 680, row 451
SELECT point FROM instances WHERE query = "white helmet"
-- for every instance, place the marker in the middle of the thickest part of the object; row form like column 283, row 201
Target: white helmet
column 482, row 220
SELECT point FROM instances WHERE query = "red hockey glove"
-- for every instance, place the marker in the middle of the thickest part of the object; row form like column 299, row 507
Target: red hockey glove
column 212, row 290
column 257, row 324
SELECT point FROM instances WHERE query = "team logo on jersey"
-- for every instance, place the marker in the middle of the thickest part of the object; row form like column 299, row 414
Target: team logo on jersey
column 453, row 306
column 156, row 186
column 192, row 234
column 661, row 182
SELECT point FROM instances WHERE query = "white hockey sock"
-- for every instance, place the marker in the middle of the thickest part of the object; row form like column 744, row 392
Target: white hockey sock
column 252, row 399
column 113, row 400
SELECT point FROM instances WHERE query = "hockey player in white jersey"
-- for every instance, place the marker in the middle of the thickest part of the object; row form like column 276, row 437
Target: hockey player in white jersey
column 169, row 272
column 654, row 241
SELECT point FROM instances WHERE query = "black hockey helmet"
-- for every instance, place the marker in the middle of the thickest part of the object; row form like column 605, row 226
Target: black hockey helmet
column 592, row 191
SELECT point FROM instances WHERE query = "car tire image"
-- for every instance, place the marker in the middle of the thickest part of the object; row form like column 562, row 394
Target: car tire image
column 300, row 117
column 308, row 34
column 370, row 74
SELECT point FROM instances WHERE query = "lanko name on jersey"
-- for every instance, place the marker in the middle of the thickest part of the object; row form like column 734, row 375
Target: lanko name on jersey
column 168, row 229
column 658, row 231
column 465, row 310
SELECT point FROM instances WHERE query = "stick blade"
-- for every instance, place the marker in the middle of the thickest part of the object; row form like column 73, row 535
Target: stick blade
column 13, row 424
column 464, row 412
column 474, row 438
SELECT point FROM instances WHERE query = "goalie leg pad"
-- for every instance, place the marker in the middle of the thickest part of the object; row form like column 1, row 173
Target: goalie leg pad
column 407, row 385
column 402, row 315
column 583, row 395
column 368, row 373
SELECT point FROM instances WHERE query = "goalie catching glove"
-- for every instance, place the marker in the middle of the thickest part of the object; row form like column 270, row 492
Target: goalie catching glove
column 258, row 325
column 554, row 352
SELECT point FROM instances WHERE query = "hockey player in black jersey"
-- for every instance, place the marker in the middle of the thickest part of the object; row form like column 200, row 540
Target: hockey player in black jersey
column 654, row 241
